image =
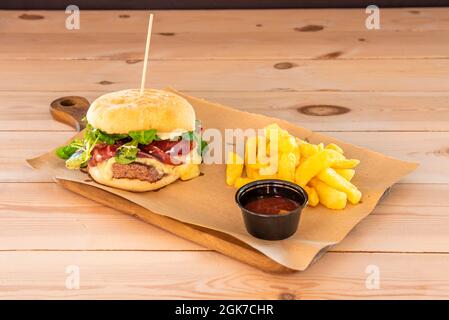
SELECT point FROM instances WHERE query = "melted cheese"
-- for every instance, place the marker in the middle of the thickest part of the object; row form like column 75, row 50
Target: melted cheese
column 186, row 171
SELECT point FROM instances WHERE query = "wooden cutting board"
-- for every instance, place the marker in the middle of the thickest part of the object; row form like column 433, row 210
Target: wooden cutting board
column 71, row 110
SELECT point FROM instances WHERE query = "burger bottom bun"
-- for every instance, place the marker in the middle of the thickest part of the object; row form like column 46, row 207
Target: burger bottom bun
column 102, row 173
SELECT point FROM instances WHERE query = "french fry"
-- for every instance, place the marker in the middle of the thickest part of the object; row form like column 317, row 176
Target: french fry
column 297, row 153
column 302, row 160
column 251, row 150
column 262, row 150
column 251, row 172
column 240, row 182
column 314, row 165
column 274, row 129
column 333, row 146
column 313, row 196
column 299, row 141
column 345, row 164
column 234, row 168
column 259, row 171
column 348, row 174
column 263, row 175
column 287, row 165
column 270, row 127
column 287, row 143
column 308, row 149
column 270, row 169
column 322, row 170
column 329, row 197
column 334, row 180
column 270, row 159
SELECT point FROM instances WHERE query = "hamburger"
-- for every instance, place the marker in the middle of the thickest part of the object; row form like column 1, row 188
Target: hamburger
column 138, row 143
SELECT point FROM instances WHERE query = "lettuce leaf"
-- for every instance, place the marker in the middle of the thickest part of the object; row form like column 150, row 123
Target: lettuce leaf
column 143, row 136
column 78, row 160
column 78, row 152
column 66, row 152
column 127, row 153
column 81, row 157
column 93, row 134
column 197, row 137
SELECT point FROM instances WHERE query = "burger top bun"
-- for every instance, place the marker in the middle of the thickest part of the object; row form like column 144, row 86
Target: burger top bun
column 123, row 111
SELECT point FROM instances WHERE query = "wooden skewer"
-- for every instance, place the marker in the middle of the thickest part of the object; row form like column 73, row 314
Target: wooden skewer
column 147, row 50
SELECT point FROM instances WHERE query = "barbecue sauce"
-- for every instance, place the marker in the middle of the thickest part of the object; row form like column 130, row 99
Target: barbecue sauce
column 271, row 205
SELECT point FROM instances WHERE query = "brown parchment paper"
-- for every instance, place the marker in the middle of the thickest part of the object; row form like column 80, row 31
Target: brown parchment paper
column 208, row 202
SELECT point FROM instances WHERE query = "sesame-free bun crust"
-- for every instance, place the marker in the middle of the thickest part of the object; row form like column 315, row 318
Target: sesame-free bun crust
column 124, row 111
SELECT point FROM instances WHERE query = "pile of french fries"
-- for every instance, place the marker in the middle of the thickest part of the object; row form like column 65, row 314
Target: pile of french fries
column 323, row 171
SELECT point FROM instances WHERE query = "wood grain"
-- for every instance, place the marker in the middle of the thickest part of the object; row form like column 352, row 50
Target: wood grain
column 217, row 241
column 45, row 212
column 208, row 275
column 290, row 44
column 274, row 34
column 432, row 152
column 254, row 75
column 70, row 110
column 219, row 21
column 394, row 80
column 398, row 19
column 368, row 111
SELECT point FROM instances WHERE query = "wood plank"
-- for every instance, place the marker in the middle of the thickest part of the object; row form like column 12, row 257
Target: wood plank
column 213, row 240
column 207, row 275
column 23, row 145
column 364, row 111
column 268, row 34
column 33, row 215
column 301, row 75
column 431, row 152
column 430, row 149
column 218, row 21
column 393, row 227
column 237, row 45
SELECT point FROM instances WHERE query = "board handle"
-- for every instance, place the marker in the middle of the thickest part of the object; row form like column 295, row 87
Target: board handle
column 70, row 110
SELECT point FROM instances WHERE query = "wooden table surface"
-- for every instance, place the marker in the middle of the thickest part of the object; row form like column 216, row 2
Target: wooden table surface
column 385, row 89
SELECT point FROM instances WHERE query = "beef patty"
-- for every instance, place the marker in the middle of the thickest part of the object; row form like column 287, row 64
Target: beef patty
column 136, row 171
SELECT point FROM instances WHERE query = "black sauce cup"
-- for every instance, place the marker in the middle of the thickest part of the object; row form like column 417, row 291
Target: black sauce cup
column 271, row 226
